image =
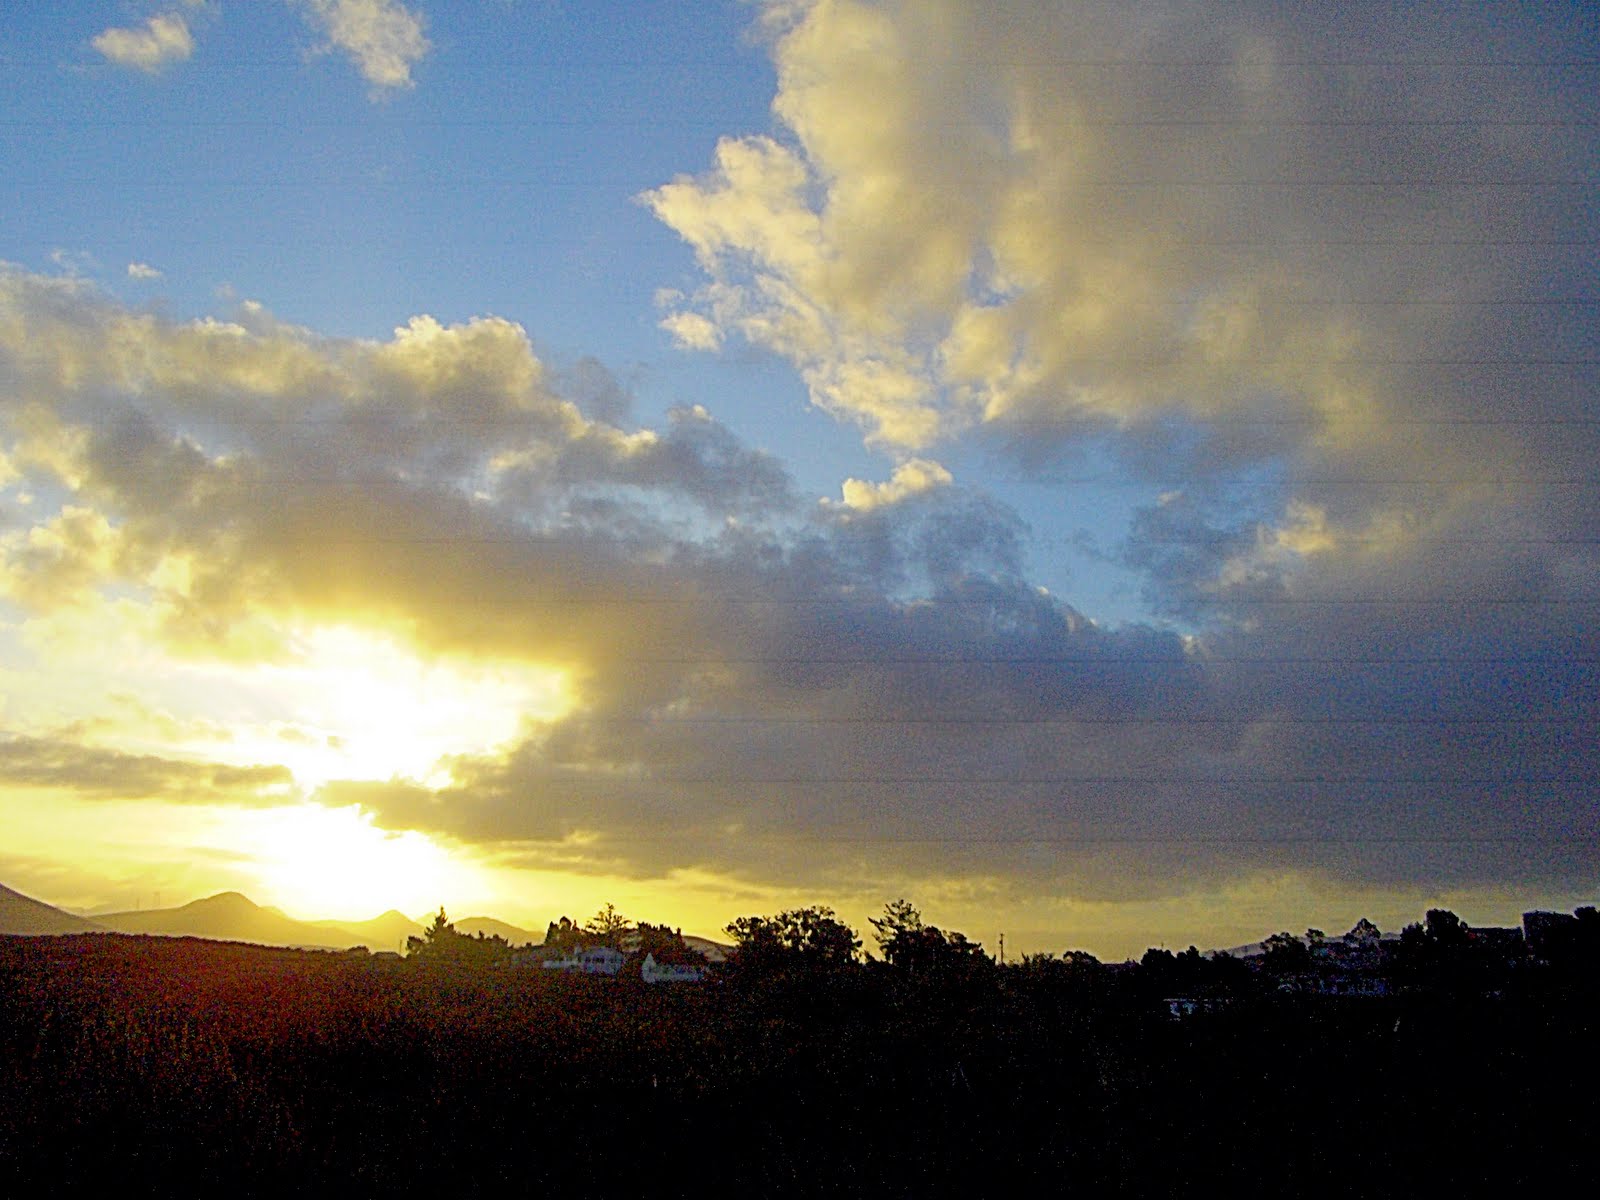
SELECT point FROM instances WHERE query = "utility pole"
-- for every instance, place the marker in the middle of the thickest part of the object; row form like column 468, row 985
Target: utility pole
column 1002, row 948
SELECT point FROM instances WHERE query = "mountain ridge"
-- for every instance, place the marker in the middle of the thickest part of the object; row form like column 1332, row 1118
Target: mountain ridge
column 229, row 917
column 23, row 915
column 233, row 917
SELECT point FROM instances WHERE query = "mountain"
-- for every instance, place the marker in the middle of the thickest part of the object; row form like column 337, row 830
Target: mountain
column 490, row 927
column 21, row 914
column 388, row 932
column 714, row 951
column 230, row 917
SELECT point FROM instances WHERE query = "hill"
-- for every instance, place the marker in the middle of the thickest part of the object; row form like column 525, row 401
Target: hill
column 387, row 932
column 233, row 917
column 21, row 914
column 714, row 951
column 518, row 936
column 489, row 927
column 230, row 917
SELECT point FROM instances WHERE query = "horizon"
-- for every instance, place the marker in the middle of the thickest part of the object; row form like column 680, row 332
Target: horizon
column 1119, row 477
column 351, row 926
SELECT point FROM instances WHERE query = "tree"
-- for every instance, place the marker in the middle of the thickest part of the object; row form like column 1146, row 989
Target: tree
column 908, row 944
column 900, row 919
column 1182, row 972
column 442, row 942
column 1444, row 930
column 1074, row 961
column 608, row 927
column 564, row 935
column 1285, row 954
column 1157, row 959
column 810, row 938
column 1363, row 931
column 667, row 945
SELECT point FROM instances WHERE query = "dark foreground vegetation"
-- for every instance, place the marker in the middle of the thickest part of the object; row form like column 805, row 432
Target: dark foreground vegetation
column 180, row 1067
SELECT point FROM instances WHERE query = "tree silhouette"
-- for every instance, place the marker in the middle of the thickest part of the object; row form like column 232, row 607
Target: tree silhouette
column 1444, row 929
column 912, row 946
column 608, row 927
column 808, row 938
column 442, row 942
column 667, row 945
column 900, row 920
column 563, row 935
column 1285, row 954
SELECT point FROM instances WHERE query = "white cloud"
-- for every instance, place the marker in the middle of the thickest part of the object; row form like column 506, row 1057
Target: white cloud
column 1244, row 278
column 162, row 40
column 143, row 271
column 691, row 331
column 383, row 38
column 73, row 262
column 909, row 479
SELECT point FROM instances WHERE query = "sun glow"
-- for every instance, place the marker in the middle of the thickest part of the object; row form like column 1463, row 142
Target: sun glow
column 336, row 862
column 358, row 705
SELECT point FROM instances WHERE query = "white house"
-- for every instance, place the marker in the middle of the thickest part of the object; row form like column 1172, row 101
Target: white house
column 653, row 972
column 591, row 960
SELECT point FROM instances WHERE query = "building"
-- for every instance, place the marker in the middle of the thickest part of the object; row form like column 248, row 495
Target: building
column 1334, row 983
column 654, row 972
column 590, row 960
column 1179, row 1007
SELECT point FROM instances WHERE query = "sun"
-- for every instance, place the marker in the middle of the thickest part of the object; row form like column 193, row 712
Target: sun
column 356, row 704
column 338, row 863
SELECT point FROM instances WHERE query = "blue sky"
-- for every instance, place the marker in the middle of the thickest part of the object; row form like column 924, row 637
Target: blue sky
column 1123, row 474
column 504, row 181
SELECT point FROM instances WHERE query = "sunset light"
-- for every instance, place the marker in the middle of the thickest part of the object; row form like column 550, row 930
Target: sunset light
column 357, row 705
column 320, row 862
column 1122, row 475
column 799, row 597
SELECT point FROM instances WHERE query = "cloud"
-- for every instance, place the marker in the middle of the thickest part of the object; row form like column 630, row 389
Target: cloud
column 162, row 40
column 1219, row 253
column 383, row 38
column 778, row 692
column 142, row 271
column 1217, row 248
column 73, row 262
column 92, row 772
column 909, row 479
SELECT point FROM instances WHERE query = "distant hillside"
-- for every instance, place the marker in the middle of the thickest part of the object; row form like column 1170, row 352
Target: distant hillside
column 489, row 927
column 21, row 914
column 518, row 936
column 714, row 951
column 231, row 917
column 388, row 932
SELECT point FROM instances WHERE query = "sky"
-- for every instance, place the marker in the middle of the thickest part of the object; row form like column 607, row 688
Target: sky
column 1117, row 475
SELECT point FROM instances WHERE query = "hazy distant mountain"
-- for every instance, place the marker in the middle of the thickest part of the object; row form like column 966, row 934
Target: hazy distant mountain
column 714, row 951
column 517, row 936
column 25, row 915
column 489, row 927
column 388, row 932
column 230, row 917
